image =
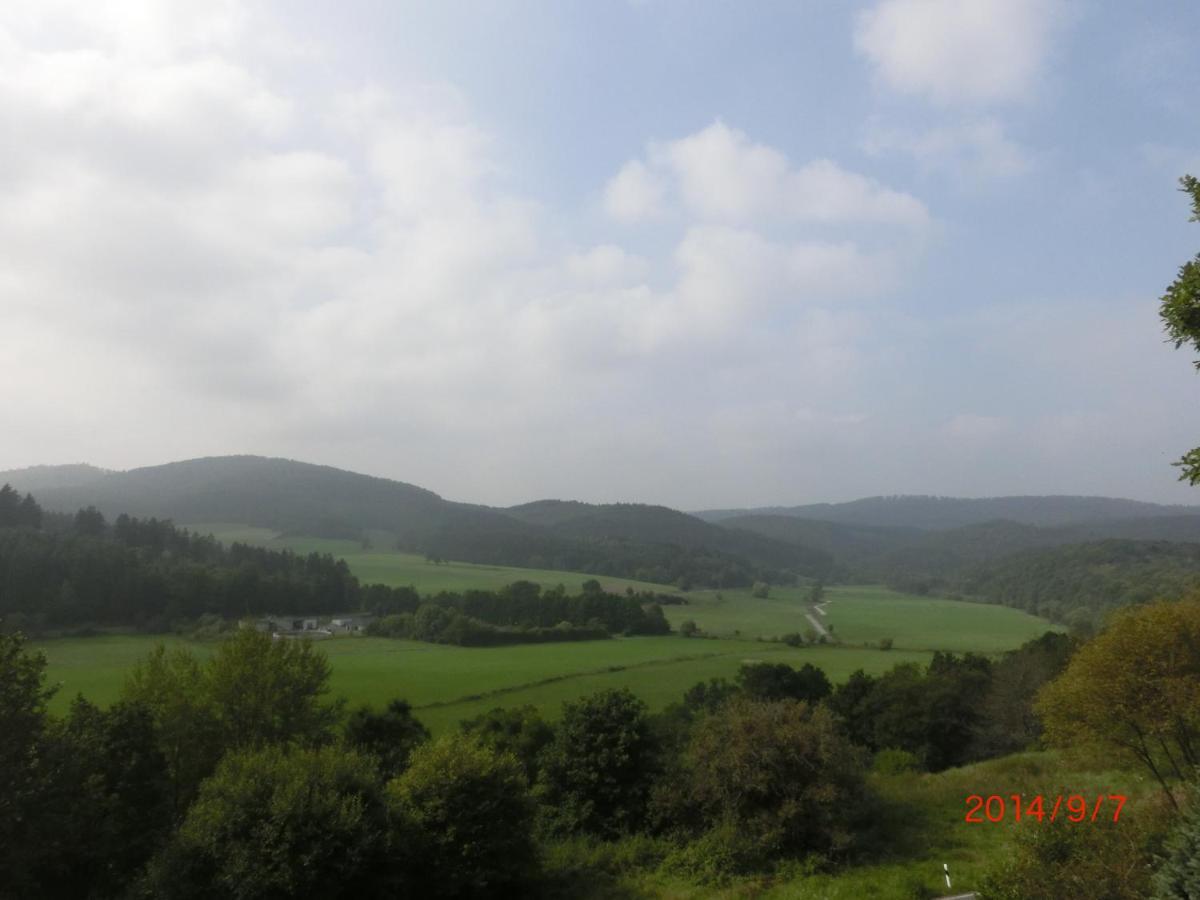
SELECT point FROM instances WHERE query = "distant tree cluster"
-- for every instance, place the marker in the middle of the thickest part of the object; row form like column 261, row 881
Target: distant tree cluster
column 659, row 563
column 17, row 511
column 147, row 573
column 522, row 612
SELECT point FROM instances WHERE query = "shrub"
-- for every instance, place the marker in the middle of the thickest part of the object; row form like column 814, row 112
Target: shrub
column 468, row 819
column 779, row 773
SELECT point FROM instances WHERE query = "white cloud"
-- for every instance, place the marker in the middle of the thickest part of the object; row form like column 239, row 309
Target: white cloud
column 719, row 174
column 198, row 256
column 979, row 51
column 635, row 193
column 976, row 149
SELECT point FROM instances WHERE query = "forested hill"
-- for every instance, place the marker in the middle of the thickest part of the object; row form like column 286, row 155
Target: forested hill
column 629, row 540
column 954, row 512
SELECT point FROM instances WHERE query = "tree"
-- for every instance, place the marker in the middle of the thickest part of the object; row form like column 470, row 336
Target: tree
column 252, row 692
column 1135, row 688
column 23, row 700
column 467, row 819
column 520, row 731
column 390, row 736
column 172, row 687
column 596, row 775
column 779, row 681
column 102, row 802
column 90, row 522
column 269, row 691
column 275, row 822
column 779, row 773
column 1180, row 313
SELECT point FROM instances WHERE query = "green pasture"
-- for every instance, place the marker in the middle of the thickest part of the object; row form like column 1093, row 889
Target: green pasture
column 378, row 565
column 863, row 614
column 451, row 683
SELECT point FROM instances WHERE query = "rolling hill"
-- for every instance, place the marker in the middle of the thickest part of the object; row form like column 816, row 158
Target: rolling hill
column 628, row 540
column 929, row 513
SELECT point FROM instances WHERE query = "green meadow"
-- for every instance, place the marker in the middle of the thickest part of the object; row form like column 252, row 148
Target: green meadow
column 378, row 565
column 449, row 683
column 862, row 614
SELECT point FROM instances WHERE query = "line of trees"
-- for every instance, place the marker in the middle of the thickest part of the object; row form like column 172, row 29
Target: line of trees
column 521, row 612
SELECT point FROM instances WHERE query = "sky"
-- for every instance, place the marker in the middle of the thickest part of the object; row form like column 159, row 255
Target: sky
column 704, row 254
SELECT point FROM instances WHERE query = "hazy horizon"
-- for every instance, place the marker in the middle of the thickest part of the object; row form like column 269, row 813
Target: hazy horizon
column 567, row 498
column 646, row 251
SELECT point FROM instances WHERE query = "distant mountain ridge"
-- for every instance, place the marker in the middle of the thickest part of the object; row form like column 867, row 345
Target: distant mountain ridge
column 636, row 540
column 932, row 513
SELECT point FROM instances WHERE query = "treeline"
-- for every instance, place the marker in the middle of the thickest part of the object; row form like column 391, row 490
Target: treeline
column 656, row 562
column 82, row 571
column 522, row 612
column 1080, row 585
column 234, row 776
column 149, row 574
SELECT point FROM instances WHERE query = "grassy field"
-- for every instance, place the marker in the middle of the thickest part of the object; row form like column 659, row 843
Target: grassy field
column 448, row 683
column 377, row 565
column 863, row 614
column 451, row 683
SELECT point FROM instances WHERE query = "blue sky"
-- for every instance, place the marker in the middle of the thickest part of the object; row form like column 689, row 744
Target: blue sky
column 702, row 254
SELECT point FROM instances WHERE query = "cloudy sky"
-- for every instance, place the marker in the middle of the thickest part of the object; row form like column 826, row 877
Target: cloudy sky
column 696, row 253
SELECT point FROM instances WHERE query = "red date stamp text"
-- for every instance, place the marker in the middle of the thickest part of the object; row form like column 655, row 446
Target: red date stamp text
column 1073, row 808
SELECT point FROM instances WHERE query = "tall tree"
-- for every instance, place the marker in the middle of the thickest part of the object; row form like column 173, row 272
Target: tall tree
column 1180, row 312
column 1135, row 688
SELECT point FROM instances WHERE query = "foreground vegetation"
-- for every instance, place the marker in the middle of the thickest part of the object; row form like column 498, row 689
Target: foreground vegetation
column 236, row 774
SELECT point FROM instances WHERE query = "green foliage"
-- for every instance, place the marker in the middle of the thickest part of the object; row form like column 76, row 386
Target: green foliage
column 273, row 822
column 102, row 803
column 467, row 820
column 760, row 590
column 1180, row 313
column 390, row 736
column 779, row 776
column 1135, row 689
column 1008, row 722
column 1178, row 875
column 596, row 775
column 1051, row 861
column 1079, row 585
column 22, row 723
column 252, row 692
column 149, row 573
column 520, row 613
column 518, row 730
column 932, row 713
column 892, row 761
column 269, row 691
column 17, row 511
column 779, row 681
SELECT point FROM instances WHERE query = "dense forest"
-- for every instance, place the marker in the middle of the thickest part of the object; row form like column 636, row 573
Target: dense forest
column 60, row 572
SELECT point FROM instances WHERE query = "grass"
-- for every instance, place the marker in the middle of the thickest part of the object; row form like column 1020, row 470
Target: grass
column 375, row 565
column 862, row 614
column 448, row 683
column 920, row 827
column 858, row 614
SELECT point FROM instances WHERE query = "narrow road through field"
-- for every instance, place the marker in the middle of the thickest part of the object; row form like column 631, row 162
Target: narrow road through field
column 816, row 624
